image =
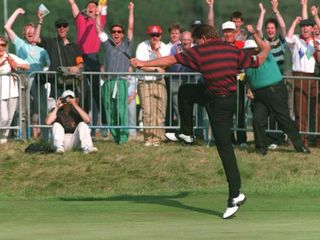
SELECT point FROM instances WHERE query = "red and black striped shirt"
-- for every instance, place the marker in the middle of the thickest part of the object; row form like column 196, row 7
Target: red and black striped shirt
column 218, row 62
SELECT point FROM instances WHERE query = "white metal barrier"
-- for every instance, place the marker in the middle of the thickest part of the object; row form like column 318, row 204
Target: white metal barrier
column 90, row 99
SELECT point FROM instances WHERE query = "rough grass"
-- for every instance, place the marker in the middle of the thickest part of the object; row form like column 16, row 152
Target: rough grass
column 135, row 169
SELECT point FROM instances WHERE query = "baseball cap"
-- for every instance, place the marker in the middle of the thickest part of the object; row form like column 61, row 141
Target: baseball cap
column 196, row 22
column 307, row 22
column 60, row 21
column 250, row 44
column 228, row 25
column 154, row 29
column 68, row 93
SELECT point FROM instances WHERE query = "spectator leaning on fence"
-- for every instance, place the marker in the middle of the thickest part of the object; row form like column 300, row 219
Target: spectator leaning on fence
column 305, row 53
column 9, row 87
column 115, row 89
column 269, row 97
column 218, row 95
column 152, row 88
column 70, row 128
column 38, row 59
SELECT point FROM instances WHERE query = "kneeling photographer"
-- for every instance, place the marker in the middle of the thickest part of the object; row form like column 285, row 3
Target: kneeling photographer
column 70, row 128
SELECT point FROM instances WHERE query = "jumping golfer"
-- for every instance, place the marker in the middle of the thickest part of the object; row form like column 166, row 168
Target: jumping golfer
column 219, row 62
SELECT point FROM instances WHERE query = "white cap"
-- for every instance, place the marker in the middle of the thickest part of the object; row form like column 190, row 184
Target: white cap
column 228, row 25
column 250, row 44
column 68, row 93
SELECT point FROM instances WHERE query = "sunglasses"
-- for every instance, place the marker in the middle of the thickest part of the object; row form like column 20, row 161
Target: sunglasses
column 116, row 31
column 64, row 25
column 155, row 35
column 3, row 44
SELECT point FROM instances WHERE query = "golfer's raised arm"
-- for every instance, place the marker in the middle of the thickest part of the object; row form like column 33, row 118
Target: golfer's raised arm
column 159, row 62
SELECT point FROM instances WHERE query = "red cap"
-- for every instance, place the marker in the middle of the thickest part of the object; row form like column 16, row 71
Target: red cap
column 154, row 29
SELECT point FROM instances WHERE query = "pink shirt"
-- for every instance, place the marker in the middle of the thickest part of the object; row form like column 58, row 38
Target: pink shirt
column 87, row 37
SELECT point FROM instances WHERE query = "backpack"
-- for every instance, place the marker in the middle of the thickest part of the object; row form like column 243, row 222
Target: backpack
column 38, row 148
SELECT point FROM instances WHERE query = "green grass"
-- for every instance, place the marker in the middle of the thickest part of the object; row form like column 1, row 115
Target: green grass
column 171, row 192
column 163, row 216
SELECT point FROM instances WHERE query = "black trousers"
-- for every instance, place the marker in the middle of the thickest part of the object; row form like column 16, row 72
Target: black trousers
column 220, row 111
column 273, row 100
column 92, row 88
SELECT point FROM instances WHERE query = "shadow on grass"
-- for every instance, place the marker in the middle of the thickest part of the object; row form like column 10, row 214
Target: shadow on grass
column 165, row 200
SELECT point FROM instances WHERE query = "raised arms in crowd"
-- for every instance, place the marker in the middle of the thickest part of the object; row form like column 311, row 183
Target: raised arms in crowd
column 210, row 12
column 11, row 20
column 276, row 12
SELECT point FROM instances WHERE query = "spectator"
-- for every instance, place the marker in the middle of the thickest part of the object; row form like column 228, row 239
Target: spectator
column 152, row 88
column 229, row 35
column 175, row 32
column 276, row 40
column 88, row 41
column 316, row 34
column 115, row 91
column 278, row 47
column 238, row 19
column 38, row 60
column 70, row 128
column 9, row 87
column 177, row 80
column 196, row 23
column 303, row 64
column 240, row 37
column 132, row 106
column 210, row 18
column 218, row 95
column 175, row 36
column 316, row 27
column 62, row 53
column 269, row 96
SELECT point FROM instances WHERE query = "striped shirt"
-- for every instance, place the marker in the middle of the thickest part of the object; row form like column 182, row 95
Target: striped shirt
column 278, row 48
column 219, row 63
column 115, row 60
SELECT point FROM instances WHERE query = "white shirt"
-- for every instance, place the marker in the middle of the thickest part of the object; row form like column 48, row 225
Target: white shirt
column 303, row 59
column 8, row 84
column 145, row 53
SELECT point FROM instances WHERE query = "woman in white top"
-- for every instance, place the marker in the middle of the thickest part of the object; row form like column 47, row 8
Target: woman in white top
column 9, row 90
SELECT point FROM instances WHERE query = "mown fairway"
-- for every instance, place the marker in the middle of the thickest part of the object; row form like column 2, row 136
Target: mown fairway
column 171, row 192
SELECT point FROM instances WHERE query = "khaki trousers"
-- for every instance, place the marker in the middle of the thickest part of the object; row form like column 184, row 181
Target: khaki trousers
column 153, row 97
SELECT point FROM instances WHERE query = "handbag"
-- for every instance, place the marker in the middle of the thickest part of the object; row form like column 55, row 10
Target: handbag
column 67, row 77
column 64, row 75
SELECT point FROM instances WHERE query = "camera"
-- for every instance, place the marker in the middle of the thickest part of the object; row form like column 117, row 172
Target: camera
column 63, row 100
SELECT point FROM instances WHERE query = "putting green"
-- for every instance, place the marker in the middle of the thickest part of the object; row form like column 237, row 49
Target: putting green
column 181, row 216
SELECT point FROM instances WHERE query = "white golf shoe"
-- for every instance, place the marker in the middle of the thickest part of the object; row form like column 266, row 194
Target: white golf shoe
column 236, row 202
column 171, row 136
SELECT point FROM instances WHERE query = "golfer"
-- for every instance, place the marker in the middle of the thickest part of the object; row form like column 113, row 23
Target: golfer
column 219, row 62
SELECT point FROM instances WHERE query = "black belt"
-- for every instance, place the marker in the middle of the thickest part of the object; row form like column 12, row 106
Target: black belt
column 229, row 94
column 273, row 85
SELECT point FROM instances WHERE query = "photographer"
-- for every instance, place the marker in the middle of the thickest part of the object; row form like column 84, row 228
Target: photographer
column 70, row 129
